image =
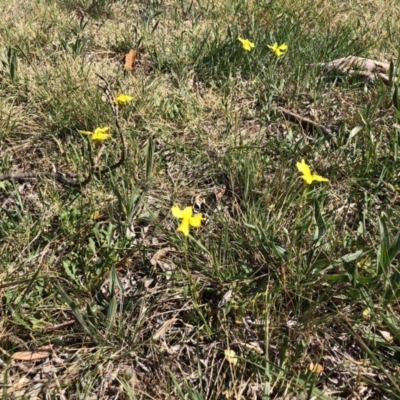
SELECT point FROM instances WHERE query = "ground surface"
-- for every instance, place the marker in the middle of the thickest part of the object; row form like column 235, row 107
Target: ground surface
column 287, row 290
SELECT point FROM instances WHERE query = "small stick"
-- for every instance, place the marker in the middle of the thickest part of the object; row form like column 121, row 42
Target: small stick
column 306, row 123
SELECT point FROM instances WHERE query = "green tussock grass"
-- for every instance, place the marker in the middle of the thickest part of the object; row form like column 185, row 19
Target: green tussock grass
column 101, row 297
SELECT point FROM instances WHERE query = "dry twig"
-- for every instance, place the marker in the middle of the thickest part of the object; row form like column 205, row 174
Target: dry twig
column 306, row 123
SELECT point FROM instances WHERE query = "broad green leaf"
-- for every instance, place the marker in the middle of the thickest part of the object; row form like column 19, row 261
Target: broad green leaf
column 112, row 309
column 149, row 159
column 320, row 227
column 352, row 256
column 394, row 247
column 383, row 252
column 390, row 73
column 396, row 99
column 75, row 311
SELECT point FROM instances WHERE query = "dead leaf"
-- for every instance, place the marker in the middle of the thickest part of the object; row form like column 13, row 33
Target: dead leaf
column 95, row 214
column 316, row 368
column 160, row 254
column 366, row 313
column 254, row 346
column 387, row 336
column 30, row 355
column 229, row 394
column 231, row 356
column 17, row 386
column 164, row 328
column 227, row 296
column 130, row 60
column 67, row 376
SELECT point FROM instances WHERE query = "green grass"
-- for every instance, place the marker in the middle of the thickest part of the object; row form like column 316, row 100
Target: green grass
column 119, row 304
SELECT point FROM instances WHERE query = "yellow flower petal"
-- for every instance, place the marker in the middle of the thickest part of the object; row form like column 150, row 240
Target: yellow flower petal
column 188, row 219
column 247, row 45
column 187, row 212
column 307, row 178
column 319, row 178
column 303, row 167
column 307, row 175
column 278, row 50
column 99, row 137
column 101, row 130
column 122, row 98
column 196, row 220
column 176, row 211
column 184, row 227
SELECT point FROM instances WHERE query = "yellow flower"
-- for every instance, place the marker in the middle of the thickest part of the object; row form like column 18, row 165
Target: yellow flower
column 188, row 219
column 121, row 99
column 98, row 135
column 307, row 175
column 278, row 50
column 247, row 45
